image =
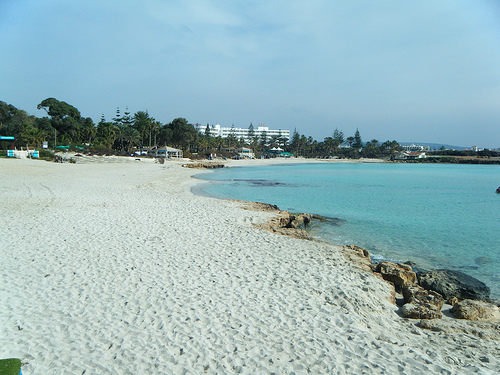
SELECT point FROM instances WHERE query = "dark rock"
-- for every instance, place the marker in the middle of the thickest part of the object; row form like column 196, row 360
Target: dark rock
column 482, row 260
column 296, row 221
column 418, row 270
column 335, row 221
column 476, row 310
column 450, row 284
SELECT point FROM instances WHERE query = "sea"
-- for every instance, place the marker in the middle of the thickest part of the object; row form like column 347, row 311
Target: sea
column 435, row 215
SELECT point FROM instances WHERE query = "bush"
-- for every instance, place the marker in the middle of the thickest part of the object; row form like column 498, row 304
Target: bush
column 46, row 155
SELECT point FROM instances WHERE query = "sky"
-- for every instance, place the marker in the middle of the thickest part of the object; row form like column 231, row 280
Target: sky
column 411, row 71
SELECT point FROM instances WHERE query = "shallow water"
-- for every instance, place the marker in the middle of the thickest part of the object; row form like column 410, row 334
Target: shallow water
column 439, row 216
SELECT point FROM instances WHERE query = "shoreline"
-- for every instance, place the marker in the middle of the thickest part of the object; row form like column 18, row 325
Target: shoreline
column 116, row 267
column 422, row 265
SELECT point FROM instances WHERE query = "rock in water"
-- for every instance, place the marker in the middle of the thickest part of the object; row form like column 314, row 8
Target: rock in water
column 450, row 284
column 476, row 310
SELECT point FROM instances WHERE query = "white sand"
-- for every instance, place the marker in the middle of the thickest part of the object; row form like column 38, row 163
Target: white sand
column 116, row 268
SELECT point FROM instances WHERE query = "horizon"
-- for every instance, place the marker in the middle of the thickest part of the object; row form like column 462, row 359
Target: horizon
column 392, row 70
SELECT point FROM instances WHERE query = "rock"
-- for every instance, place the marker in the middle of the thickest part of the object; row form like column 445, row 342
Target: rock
column 417, row 294
column 476, row 310
column 399, row 274
column 450, row 284
column 420, row 311
column 359, row 256
column 421, row 303
column 429, row 324
column 288, row 224
column 494, row 301
column 415, row 268
column 297, row 221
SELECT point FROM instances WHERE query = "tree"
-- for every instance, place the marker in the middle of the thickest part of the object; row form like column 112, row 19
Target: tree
column 328, row 145
column 207, row 131
column 358, row 143
column 391, row 148
column 144, row 124
column 58, row 109
column 263, row 139
column 180, row 133
column 88, row 130
column 132, row 138
column 282, row 140
column 231, row 138
column 13, row 122
column 372, row 149
column 294, row 143
column 251, row 133
column 33, row 136
column 337, row 139
column 126, row 119
column 65, row 118
column 106, row 133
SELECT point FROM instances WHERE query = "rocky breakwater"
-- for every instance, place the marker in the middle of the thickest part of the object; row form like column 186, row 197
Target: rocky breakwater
column 425, row 294
column 289, row 224
column 206, row 165
column 418, row 302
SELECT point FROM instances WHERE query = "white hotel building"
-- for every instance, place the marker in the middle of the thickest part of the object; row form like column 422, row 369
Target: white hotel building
column 217, row 130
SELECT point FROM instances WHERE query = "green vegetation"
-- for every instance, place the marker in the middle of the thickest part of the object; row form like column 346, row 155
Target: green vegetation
column 126, row 132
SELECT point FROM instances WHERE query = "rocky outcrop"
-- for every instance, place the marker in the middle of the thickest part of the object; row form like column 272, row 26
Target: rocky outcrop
column 207, row 165
column 359, row 256
column 476, row 310
column 285, row 223
column 396, row 273
column 421, row 303
column 450, row 284
column 420, row 311
column 295, row 220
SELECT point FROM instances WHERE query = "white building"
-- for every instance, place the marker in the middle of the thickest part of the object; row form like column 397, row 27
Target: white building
column 415, row 148
column 409, row 155
column 165, row 151
column 219, row 131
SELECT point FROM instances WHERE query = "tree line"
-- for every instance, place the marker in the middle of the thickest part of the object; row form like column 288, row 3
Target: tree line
column 126, row 132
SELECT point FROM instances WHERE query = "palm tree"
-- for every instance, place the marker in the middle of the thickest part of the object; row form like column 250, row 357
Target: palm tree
column 33, row 136
column 132, row 138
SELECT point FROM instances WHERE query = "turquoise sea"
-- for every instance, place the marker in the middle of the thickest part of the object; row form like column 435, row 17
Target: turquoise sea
column 436, row 215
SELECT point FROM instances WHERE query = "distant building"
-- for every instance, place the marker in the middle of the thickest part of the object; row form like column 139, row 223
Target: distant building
column 415, row 148
column 165, row 151
column 224, row 132
column 406, row 155
column 245, row 153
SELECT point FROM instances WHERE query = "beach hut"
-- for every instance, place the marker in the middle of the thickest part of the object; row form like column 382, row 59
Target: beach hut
column 245, row 153
column 166, row 152
column 7, row 139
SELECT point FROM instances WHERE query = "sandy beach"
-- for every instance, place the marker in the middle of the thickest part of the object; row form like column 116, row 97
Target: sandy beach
column 112, row 266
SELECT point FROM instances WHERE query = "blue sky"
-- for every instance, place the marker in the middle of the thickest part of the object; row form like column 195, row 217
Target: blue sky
column 426, row 71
